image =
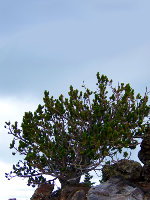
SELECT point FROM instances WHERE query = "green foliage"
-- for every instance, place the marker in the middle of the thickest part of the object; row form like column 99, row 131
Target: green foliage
column 67, row 137
column 87, row 179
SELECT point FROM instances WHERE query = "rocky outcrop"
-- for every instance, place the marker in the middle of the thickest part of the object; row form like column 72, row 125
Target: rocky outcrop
column 43, row 192
column 129, row 169
column 116, row 188
column 76, row 192
column 123, row 181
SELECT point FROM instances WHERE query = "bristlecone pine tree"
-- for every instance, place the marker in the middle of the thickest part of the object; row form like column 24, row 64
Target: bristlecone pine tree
column 68, row 137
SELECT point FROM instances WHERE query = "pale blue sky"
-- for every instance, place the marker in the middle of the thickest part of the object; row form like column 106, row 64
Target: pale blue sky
column 46, row 43
column 50, row 44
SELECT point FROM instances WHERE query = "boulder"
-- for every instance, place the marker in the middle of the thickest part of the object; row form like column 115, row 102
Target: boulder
column 129, row 169
column 43, row 192
column 116, row 188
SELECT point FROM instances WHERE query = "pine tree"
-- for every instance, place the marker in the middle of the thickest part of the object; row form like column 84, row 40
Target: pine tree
column 68, row 137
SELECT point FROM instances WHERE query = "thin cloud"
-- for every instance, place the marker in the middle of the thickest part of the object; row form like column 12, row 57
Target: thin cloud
column 14, row 188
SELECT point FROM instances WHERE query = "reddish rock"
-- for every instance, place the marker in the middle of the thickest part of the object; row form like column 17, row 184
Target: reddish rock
column 43, row 192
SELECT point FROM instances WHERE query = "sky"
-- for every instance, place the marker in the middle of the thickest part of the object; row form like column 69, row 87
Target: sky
column 52, row 44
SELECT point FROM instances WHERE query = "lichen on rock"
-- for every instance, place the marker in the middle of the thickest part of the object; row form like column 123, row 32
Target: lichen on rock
column 129, row 169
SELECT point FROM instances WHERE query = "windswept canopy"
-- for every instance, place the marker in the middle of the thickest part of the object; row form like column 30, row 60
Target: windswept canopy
column 67, row 137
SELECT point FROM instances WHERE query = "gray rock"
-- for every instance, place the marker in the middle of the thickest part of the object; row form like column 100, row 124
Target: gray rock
column 116, row 188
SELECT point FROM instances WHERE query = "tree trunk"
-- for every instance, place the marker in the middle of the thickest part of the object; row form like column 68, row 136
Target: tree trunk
column 68, row 181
